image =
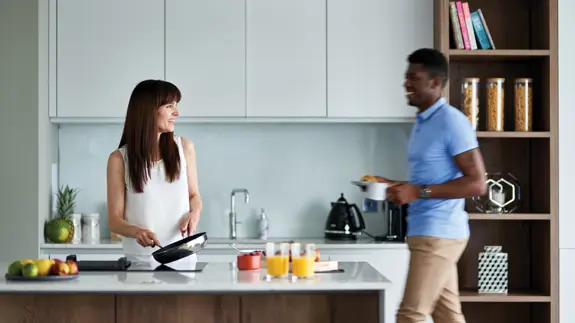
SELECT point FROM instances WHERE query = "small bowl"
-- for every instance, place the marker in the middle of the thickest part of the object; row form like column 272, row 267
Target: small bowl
column 249, row 261
column 376, row 191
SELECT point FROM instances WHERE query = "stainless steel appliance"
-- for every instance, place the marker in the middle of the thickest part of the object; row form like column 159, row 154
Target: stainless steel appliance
column 344, row 221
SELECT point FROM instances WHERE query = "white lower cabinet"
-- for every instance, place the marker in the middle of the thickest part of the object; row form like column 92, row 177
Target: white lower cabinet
column 391, row 263
column 566, row 285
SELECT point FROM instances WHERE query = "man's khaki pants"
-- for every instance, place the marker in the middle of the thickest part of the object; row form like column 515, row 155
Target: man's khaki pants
column 432, row 287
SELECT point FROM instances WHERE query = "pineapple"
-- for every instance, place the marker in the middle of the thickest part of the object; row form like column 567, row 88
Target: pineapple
column 61, row 228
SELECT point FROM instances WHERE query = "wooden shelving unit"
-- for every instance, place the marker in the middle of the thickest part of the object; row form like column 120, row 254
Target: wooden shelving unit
column 525, row 35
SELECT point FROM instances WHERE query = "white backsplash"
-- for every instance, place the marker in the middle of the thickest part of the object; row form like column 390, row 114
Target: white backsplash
column 293, row 171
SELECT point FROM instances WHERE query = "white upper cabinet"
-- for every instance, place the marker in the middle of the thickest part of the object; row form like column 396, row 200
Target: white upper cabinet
column 104, row 49
column 286, row 58
column 205, row 56
column 368, row 42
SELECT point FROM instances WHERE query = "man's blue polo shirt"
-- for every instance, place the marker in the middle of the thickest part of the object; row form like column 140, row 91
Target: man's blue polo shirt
column 439, row 133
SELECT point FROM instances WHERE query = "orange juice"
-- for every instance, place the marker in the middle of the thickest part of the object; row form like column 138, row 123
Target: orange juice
column 278, row 266
column 303, row 266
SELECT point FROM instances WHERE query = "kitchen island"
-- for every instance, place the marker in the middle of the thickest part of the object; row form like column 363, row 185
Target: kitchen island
column 220, row 293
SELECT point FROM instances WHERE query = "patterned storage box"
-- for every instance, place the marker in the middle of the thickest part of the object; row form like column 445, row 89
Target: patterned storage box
column 493, row 270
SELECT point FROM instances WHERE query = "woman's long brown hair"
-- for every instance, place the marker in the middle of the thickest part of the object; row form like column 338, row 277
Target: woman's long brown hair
column 140, row 133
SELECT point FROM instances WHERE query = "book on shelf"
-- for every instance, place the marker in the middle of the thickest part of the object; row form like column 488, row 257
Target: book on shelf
column 469, row 28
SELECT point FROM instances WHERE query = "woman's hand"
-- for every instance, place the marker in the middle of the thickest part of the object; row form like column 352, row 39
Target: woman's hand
column 189, row 223
column 147, row 238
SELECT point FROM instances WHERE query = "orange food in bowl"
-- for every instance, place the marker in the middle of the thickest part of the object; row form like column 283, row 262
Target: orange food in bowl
column 249, row 261
column 369, row 178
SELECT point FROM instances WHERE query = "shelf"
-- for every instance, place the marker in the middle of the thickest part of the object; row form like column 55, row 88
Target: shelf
column 496, row 54
column 509, row 216
column 508, row 70
column 513, row 134
column 473, row 296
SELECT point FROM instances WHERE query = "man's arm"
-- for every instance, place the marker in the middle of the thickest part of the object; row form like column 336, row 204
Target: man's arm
column 472, row 183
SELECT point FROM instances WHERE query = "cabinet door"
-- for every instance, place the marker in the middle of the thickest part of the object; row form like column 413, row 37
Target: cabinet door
column 567, row 286
column 286, row 58
column 205, row 56
column 368, row 42
column 105, row 48
column 391, row 263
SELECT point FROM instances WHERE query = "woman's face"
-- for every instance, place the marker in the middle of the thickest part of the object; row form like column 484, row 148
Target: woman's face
column 167, row 115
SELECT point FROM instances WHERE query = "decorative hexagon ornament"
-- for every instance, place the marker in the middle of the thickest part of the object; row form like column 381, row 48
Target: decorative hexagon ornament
column 503, row 194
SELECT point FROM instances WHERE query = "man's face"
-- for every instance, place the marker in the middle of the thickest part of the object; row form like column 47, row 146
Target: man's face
column 419, row 86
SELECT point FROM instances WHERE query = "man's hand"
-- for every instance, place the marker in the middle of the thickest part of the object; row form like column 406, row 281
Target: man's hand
column 402, row 193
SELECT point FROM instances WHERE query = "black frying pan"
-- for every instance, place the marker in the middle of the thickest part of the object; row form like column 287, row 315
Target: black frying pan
column 181, row 249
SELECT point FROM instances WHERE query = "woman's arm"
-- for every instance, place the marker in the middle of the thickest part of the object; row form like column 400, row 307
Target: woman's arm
column 193, row 187
column 116, row 191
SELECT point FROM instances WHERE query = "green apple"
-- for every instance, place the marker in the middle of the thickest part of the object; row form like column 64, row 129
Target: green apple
column 15, row 268
column 30, row 270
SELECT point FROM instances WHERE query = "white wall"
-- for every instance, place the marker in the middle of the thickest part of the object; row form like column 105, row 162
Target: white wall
column 293, row 171
column 566, row 160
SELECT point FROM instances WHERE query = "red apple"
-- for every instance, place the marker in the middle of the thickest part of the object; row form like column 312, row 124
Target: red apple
column 60, row 269
column 73, row 267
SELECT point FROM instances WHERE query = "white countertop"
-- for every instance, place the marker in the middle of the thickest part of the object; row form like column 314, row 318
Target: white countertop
column 216, row 277
column 248, row 243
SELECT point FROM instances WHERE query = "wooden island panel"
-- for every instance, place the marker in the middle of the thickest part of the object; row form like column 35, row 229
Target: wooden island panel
column 60, row 308
column 199, row 308
column 300, row 307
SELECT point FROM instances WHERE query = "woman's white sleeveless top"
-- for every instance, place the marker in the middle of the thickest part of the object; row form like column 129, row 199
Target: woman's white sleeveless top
column 158, row 208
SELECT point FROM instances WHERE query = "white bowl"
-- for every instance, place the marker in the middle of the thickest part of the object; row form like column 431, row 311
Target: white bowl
column 376, row 191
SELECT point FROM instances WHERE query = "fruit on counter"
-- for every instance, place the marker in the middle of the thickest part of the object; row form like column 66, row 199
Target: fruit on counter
column 60, row 269
column 30, row 270
column 44, row 266
column 368, row 178
column 61, row 228
column 15, row 268
column 73, row 267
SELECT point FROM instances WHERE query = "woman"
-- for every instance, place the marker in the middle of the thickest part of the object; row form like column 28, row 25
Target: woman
column 152, row 182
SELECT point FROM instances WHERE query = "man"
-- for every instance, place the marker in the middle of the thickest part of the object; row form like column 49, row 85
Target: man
column 445, row 166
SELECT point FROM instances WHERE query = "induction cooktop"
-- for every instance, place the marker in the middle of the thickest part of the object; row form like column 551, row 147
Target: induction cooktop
column 125, row 265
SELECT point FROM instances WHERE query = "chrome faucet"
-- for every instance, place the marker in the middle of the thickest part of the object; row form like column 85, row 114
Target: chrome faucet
column 233, row 216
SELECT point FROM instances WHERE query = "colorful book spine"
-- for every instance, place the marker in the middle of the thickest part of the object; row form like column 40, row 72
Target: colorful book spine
column 486, row 28
column 455, row 27
column 469, row 25
column 464, row 32
column 482, row 38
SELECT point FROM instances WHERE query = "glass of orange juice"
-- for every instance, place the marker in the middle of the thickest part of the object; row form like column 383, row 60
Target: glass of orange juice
column 303, row 260
column 277, row 259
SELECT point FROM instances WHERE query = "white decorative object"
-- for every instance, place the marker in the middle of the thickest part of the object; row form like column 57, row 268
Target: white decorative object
column 263, row 225
column 77, row 221
column 91, row 228
column 493, row 271
column 503, row 194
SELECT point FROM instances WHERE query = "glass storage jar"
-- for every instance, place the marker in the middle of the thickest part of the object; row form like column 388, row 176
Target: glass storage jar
column 470, row 100
column 495, row 104
column 523, row 104
column 91, row 228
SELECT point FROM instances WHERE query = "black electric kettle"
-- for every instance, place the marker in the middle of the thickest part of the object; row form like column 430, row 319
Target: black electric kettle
column 344, row 221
